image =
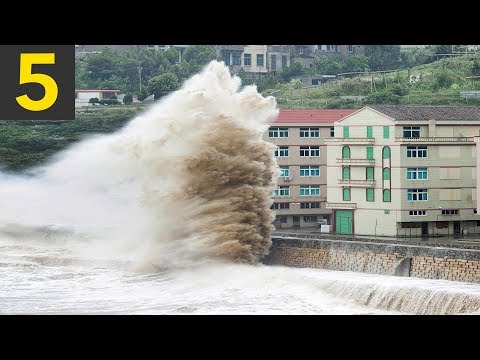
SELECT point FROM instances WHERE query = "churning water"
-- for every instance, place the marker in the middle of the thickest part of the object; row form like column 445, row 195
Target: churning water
column 171, row 215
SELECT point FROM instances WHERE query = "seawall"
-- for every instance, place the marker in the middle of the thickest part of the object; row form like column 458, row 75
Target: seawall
column 449, row 263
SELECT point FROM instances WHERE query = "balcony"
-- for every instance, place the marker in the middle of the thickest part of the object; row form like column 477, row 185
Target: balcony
column 435, row 139
column 353, row 141
column 357, row 183
column 357, row 162
column 330, row 205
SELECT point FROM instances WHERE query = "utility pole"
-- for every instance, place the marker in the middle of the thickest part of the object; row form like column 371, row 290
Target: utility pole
column 140, row 74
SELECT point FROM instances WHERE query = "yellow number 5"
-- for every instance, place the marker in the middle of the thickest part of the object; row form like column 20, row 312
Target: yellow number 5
column 26, row 76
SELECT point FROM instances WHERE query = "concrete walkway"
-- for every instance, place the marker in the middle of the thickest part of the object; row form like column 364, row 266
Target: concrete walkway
column 437, row 240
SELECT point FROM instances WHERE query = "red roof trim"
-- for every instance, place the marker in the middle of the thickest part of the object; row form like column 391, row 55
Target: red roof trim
column 312, row 116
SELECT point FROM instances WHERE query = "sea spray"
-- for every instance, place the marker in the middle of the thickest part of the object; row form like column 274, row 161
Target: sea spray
column 189, row 180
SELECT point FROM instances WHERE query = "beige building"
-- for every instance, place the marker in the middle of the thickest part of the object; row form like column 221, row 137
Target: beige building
column 299, row 200
column 404, row 171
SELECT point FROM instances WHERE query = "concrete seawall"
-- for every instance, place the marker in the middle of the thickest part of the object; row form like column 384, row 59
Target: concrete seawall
column 427, row 262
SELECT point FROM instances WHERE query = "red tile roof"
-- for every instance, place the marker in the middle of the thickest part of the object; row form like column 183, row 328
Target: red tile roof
column 312, row 116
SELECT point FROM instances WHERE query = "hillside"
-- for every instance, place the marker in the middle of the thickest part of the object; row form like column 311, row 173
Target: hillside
column 440, row 84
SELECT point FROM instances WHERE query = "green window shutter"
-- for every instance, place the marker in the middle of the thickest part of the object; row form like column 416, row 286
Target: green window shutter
column 346, row 152
column 386, row 195
column 346, row 194
column 386, row 152
column 346, row 132
column 386, row 212
column 369, row 152
column 370, row 195
column 370, row 173
column 369, row 132
column 346, row 173
column 386, row 174
column 386, row 132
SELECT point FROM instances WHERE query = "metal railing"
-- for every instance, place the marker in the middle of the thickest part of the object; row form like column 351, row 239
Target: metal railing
column 435, row 139
column 351, row 140
column 356, row 182
column 332, row 205
column 356, row 161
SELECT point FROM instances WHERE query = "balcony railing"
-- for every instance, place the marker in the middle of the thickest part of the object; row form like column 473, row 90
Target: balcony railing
column 351, row 140
column 332, row 205
column 360, row 183
column 356, row 161
column 436, row 139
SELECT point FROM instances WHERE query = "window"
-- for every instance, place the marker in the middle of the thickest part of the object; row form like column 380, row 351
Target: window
column 417, row 195
column 386, row 152
column 370, row 195
column 309, row 171
column 417, row 213
column 310, row 205
column 283, row 219
column 346, row 173
column 259, row 59
column 386, row 195
column 284, row 61
column 247, row 59
column 346, row 132
column 345, row 152
column 411, row 225
column 226, row 57
column 309, row 150
column 332, row 132
column 310, row 190
column 386, row 174
column 386, row 212
column 369, row 132
column 350, row 48
column 386, row 132
column 278, row 132
column 310, row 218
column 417, row 174
column 441, row 224
column 284, row 171
column 369, row 173
column 282, row 151
column 237, row 58
column 280, row 206
column 449, row 212
column 370, row 152
column 478, row 222
column 474, row 211
column 273, row 62
column 309, row 132
column 411, row 131
column 346, row 194
column 416, row 151
column 282, row 191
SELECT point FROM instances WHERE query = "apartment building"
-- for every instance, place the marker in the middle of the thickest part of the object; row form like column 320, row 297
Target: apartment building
column 299, row 199
column 404, row 171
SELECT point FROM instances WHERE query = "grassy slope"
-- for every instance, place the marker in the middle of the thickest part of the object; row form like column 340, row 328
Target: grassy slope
column 328, row 96
column 24, row 144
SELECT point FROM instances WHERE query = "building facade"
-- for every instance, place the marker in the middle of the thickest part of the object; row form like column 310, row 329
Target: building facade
column 404, row 171
column 301, row 193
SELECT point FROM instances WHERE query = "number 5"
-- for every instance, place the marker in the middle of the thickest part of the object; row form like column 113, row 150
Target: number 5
column 26, row 76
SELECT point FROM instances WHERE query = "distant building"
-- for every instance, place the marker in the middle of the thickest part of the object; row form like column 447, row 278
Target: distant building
column 82, row 97
column 301, row 194
column 405, row 171
column 339, row 50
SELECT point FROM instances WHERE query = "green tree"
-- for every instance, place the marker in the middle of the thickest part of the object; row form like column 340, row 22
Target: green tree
column 294, row 70
column 476, row 68
column 444, row 79
column 94, row 101
column 326, row 65
column 143, row 94
column 127, row 99
column 383, row 57
column 355, row 63
column 163, row 84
